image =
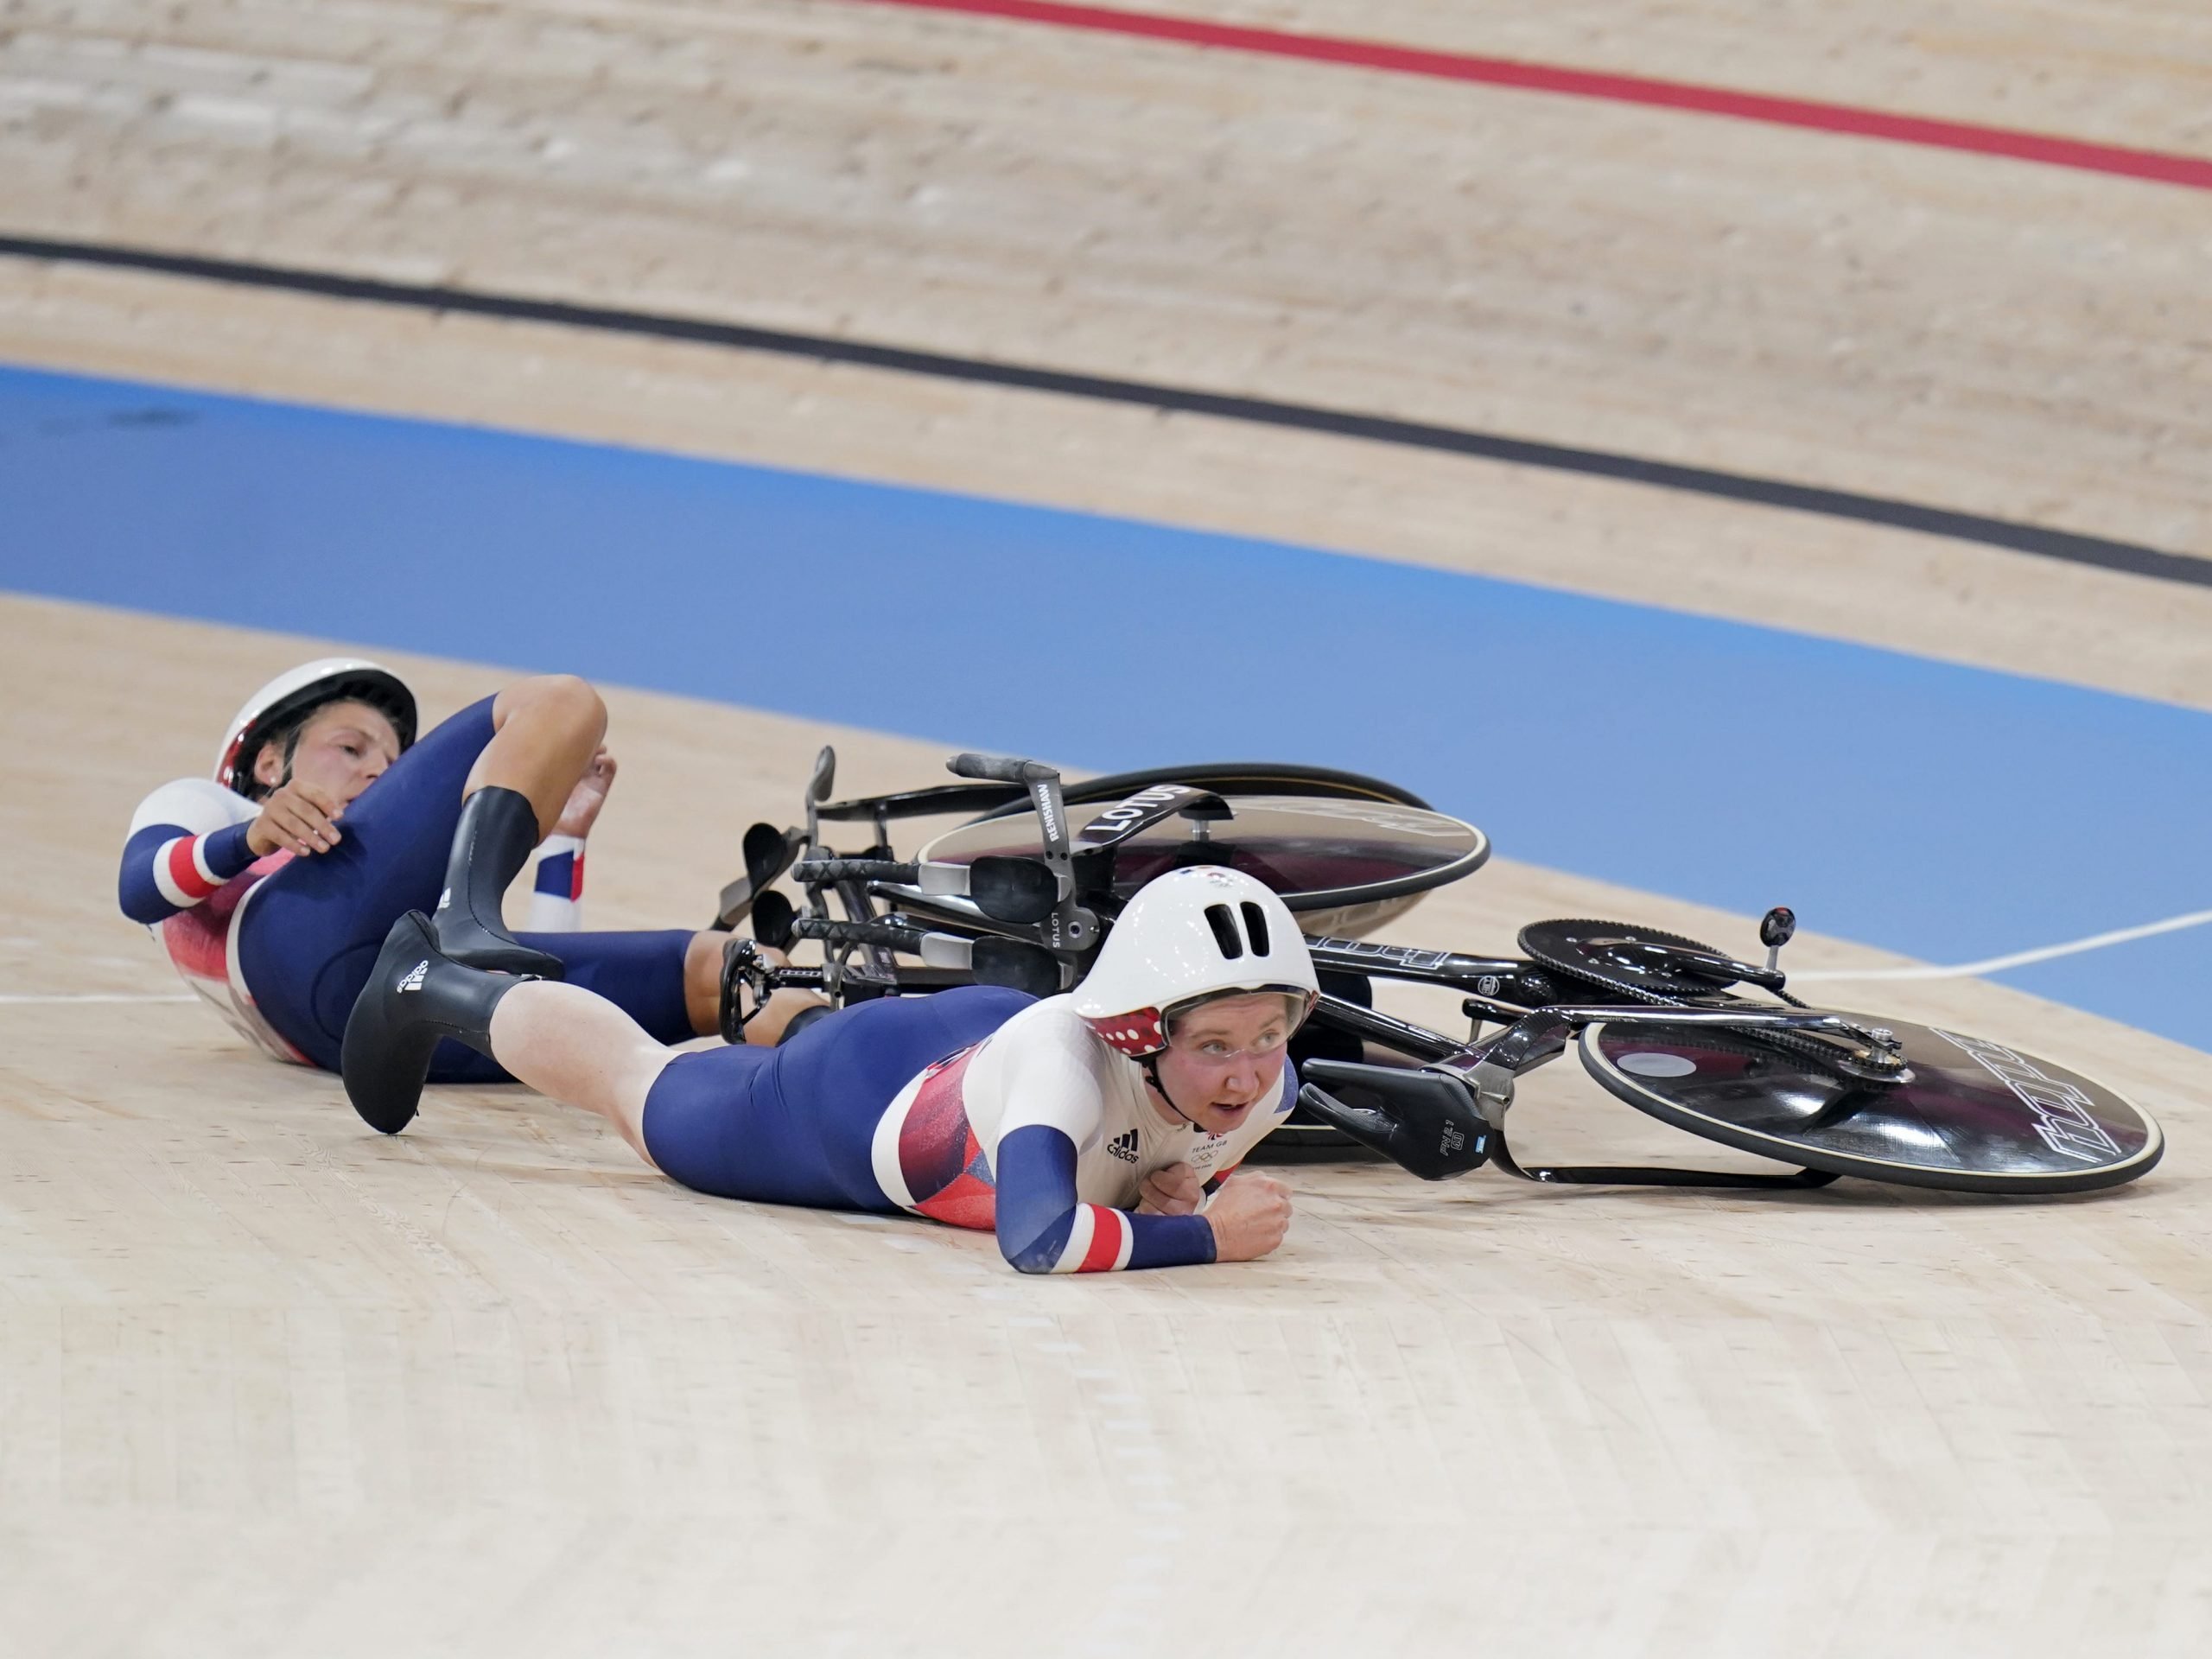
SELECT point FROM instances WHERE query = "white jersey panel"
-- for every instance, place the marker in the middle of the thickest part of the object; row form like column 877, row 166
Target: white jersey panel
column 199, row 806
column 1046, row 1065
column 201, row 942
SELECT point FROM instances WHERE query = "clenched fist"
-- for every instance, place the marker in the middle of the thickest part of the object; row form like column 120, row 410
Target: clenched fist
column 1249, row 1216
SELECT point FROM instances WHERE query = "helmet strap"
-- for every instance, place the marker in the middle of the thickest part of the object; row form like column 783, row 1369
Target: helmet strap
column 1151, row 1065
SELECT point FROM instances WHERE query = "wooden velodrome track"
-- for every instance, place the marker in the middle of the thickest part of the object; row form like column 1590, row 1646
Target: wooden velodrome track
column 269, row 1384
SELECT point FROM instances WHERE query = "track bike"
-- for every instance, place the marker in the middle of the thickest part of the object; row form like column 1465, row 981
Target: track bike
column 1024, row 890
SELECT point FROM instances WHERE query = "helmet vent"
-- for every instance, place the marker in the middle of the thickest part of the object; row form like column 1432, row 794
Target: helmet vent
column 1224, row 931
column 1255, row 927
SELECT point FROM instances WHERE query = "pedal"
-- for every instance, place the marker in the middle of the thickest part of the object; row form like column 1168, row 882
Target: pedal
column 772, row 915
column 741, row 964
column 768, row 852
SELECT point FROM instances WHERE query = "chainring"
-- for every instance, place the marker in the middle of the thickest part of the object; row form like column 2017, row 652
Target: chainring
column 1605, row 954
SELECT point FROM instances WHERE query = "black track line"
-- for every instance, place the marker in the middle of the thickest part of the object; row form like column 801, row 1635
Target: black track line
column 2035, row 539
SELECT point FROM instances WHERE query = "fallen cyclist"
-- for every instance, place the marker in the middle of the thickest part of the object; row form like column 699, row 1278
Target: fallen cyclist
column 1090, row 1131
column 271, row 886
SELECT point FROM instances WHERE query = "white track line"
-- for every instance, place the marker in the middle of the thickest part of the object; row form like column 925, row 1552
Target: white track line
column 2018, row 958
column 100, row 996
column 1963, row 970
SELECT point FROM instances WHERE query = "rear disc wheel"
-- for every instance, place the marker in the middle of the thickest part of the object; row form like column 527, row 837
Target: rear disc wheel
column 1969, row 1114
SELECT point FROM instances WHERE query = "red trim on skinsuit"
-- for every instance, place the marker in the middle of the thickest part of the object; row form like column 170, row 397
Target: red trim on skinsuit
column 198, row 939
column 576, row 877
column 1105, row 1251
column 185, row 871
column 2160, row 167
column 968, row 1200
column 197, row 942
column 939, row 1158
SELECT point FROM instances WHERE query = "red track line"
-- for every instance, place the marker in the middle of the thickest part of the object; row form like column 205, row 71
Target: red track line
column 2191, row 171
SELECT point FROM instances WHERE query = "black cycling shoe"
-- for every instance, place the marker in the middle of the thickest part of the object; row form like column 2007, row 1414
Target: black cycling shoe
column 472, row 946
column 416, row 994
column 494, row 839
column 802, row 1019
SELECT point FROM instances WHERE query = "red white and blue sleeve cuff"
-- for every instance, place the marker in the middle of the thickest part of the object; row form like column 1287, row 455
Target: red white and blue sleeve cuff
column 1100, row 1240
column 1042, row 1228
column 165, row 869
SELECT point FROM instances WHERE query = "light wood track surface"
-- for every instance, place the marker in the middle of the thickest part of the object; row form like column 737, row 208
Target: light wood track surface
column 1947, row 329
column 269, row 1383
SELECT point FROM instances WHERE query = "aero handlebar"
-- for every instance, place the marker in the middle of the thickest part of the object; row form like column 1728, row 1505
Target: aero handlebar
column 1001, row 768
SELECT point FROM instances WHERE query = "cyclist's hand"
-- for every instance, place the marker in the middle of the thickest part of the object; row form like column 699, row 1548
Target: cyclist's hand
column 588, row 797
column 297, row 818
column 1174, row 1190
column 1249, row 1216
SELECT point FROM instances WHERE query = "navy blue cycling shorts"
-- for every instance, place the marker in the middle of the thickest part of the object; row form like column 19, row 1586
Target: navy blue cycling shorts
column 312, row 931
column 796, row 1124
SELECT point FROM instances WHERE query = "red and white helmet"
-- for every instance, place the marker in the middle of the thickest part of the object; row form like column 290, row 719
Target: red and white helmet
column 1192, row 933
column 295, row 691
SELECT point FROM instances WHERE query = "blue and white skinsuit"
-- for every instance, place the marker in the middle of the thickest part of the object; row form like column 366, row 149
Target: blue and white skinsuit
column 281, row 946
column 979, row 1107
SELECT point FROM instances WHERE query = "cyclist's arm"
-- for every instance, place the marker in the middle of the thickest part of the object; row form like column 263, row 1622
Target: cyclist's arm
column 185, row 840
column 1055, row 1105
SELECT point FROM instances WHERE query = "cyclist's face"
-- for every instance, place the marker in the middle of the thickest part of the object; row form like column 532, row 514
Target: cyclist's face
column 343, row 748
column 1223, row 1058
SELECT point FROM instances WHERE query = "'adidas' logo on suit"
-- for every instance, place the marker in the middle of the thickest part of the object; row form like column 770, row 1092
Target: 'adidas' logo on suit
column 1124, row 1146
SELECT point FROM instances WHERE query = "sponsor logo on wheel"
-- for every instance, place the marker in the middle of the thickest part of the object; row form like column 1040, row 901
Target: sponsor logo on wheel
column 2064, row 1117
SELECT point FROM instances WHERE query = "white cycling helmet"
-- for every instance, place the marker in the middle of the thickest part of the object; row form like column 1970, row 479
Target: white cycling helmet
column 1195, row 932
column 293, row 693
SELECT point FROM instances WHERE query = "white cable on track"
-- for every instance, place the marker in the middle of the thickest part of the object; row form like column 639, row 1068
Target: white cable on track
column 2017, row 959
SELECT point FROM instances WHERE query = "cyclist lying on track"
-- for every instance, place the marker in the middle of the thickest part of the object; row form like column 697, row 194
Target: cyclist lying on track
column 1087, row 1129
column 273, row 887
